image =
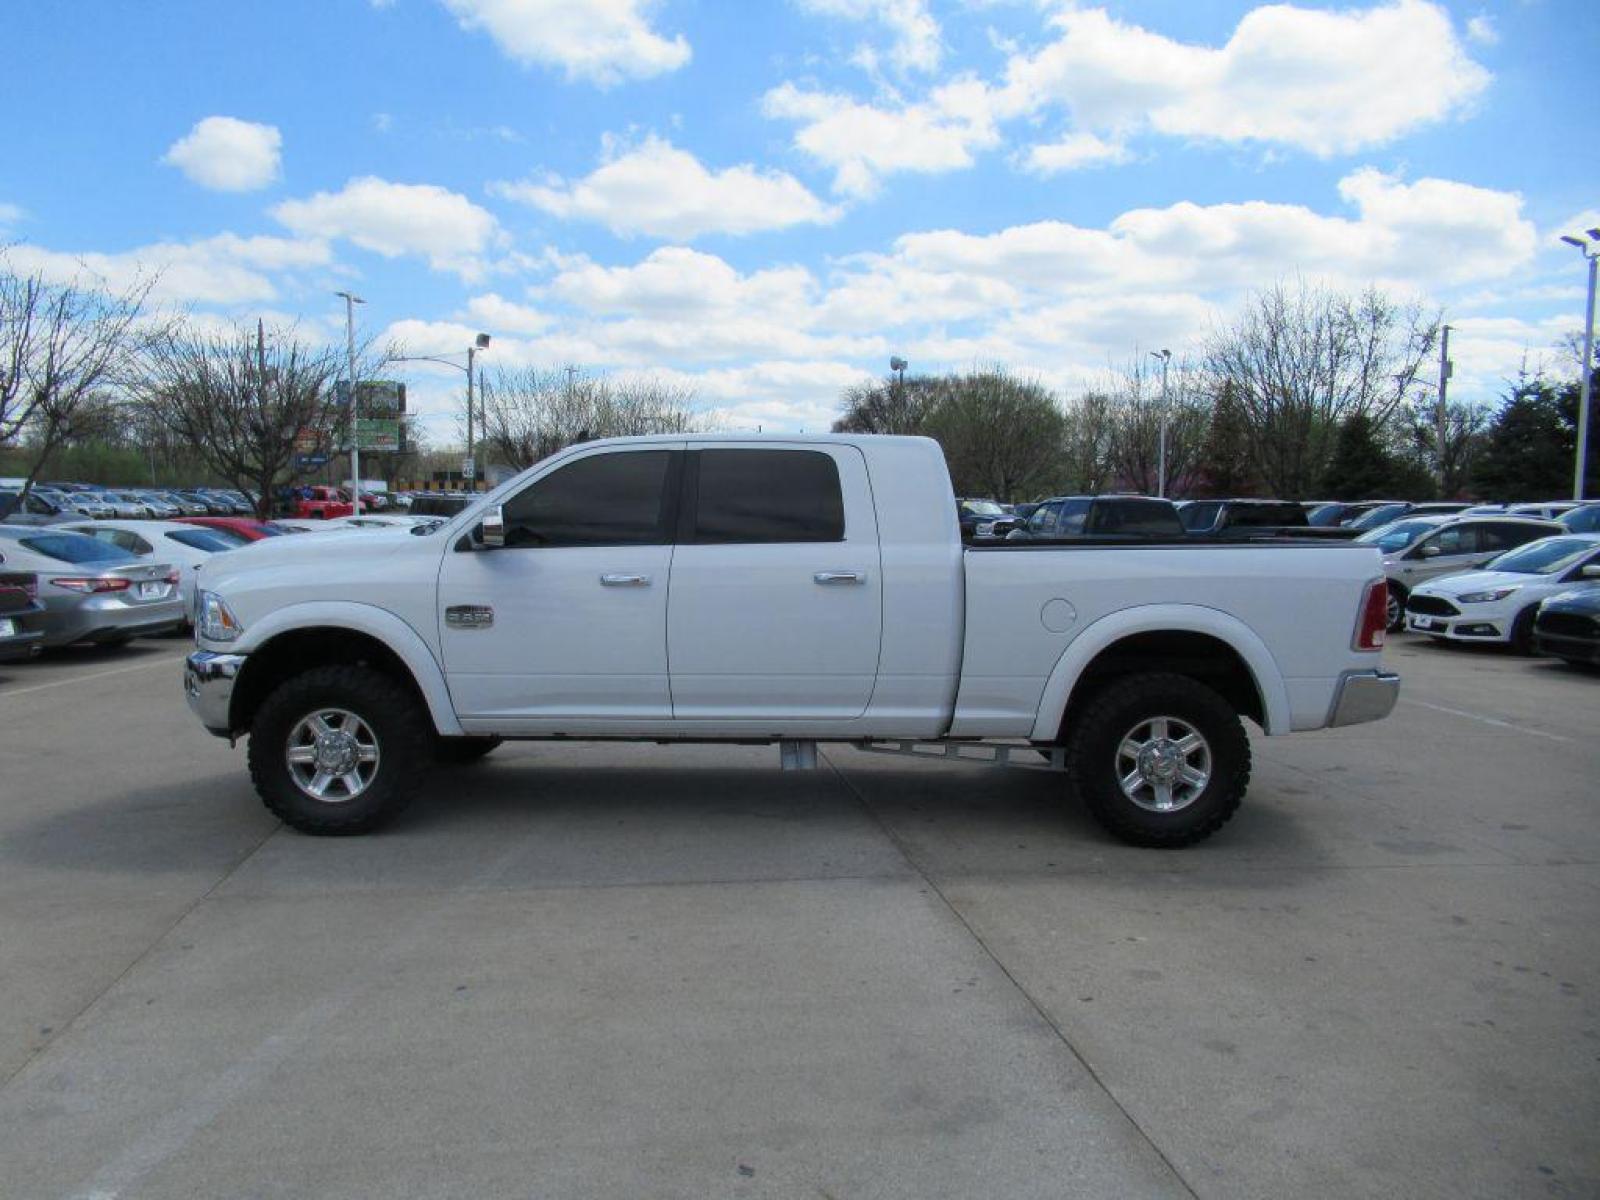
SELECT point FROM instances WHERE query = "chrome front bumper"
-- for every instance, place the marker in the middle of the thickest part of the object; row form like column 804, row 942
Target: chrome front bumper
column 1364, row 696
column 208, row 685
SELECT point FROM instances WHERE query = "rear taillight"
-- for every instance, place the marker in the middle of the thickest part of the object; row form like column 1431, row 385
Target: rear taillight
column 88, row 586
column 1373, row 619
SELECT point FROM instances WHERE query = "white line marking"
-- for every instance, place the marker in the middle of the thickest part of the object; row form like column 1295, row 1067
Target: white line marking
column 40, row 687
column 1495, row 721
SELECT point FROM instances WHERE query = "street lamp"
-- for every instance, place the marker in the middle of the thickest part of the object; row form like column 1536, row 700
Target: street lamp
column 1161, row 444
column 1587, row 247
column 480, row 342
column 350, row 302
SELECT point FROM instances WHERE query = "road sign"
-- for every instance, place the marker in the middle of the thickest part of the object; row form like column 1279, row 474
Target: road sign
column 468, row 468
column 309, row 462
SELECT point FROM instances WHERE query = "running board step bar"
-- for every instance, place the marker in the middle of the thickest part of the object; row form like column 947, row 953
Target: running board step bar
column 987, row 754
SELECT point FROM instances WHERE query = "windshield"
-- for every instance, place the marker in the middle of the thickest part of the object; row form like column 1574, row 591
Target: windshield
column 75, row 548
column 1398, row 536
column 978, row 508
column 1200, row 515
column 1381, row 515
column 1326, row 514
column 209, row 540
column 1548, row 556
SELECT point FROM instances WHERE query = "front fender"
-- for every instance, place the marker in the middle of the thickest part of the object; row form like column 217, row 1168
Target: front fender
column 1162, row 618
column 376, row 622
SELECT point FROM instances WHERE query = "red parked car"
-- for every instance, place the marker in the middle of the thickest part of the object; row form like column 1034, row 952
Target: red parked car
column 322, row 503
column 250, row 529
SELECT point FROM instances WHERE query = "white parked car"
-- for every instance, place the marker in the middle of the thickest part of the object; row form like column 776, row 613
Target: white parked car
column 1499, row 603
column 184, row 546
column 1416, row 549
column 721, row 588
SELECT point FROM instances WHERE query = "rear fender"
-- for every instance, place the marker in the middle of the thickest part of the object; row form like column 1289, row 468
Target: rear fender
column 1161, row 618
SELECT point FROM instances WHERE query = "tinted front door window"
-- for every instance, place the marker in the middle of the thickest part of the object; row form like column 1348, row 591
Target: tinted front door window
column 603, row 500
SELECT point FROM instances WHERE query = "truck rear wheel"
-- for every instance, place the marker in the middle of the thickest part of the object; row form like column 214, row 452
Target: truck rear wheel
column 338, row 749
column 1160, row 759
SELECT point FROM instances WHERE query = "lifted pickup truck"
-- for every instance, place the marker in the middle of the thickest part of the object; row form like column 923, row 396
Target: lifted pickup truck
column 795, row 590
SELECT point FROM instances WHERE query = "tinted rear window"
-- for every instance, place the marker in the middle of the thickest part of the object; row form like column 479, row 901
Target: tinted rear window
column 75, row 548
column 209, row 540
column 1137, row 517
column 768, row 496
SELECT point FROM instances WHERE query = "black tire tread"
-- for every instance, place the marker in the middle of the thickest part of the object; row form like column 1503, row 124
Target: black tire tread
column 1095, row 723
column 383, row 700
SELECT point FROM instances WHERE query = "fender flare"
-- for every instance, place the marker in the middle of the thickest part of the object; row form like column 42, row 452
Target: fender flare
column 1163, row 618
column 378, row 623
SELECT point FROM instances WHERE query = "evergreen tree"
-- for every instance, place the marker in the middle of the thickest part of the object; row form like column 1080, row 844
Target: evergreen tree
column 1361, row 468
column 1528, row 454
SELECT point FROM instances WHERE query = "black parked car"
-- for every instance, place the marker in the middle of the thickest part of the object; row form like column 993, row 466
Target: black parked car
column 32, row 510
column 1568, row 626
column 1215, row 516
column 984, row 519
column 1084, row 517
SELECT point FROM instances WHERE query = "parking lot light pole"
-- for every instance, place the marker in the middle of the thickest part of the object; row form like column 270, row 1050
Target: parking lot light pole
column 350, row 302
column 480, row 342
column 1161, row 442
column 1587, row 246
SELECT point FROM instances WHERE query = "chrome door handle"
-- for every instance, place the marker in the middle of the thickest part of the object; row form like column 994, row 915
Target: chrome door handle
column 625, row 580
column 827, row 577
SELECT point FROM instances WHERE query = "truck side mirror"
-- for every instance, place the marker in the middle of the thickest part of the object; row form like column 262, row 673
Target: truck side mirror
column 492, row 535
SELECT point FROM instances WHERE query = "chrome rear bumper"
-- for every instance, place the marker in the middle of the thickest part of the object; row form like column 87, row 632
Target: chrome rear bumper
column 208, row 685
column 1364, row 696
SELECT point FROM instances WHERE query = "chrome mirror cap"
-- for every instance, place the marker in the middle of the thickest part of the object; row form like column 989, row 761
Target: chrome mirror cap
column 493, row 534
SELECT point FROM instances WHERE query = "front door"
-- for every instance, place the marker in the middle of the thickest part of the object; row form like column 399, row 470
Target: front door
column 776, row 609
column 1453, row 548
column 564, row 629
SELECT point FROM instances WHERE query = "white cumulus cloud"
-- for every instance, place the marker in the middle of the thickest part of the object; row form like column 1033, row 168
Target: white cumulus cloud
column 917, row 38
column 601, row 41
column 393, row 219
column 1074, row 152
column 226, row 154
column 657, row 189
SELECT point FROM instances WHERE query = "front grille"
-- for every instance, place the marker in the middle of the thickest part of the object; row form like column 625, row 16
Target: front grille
column 1575, row 625
column 1432, row 606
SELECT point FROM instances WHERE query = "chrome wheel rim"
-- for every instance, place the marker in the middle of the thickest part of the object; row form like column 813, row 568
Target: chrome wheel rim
column 1163, row 764
column 332, row 755
column 1394, row 610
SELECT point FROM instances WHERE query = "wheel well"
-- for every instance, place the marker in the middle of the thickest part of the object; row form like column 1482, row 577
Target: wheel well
column 298, row 650
column 1198, row 655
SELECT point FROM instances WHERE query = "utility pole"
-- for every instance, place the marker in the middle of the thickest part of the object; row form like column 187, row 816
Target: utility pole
column 1446, row 369
column 472, row 483
column 1591, row 254
column 350, row 303
column 1161, row 441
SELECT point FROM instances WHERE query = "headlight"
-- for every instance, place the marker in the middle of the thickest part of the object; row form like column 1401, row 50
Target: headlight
column 985, row 528
column 1486, row 597
column 215, row 620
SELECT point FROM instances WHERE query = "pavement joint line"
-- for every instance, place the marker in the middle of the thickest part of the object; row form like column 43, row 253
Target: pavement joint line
column 1495, row 721
column 72, row 1021
column 1016, row 983
column 7, row 693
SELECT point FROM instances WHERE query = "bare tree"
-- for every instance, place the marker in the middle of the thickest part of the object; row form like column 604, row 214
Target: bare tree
column 1136, row 404
column 64, row 349
column 889, row 405
column 1086, row 443
column 247, row 401
column 529, row 414
column 1303, row 360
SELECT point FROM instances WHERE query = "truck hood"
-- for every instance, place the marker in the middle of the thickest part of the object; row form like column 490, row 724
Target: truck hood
column 309, row 555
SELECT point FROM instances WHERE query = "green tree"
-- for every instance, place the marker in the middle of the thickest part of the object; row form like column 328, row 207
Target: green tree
column 1528, row 452
column 1002, row 436
column 1361, row 467
column 1224, row 468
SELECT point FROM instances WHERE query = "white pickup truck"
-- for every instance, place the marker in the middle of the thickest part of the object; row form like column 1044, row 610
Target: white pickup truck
column 795, row 590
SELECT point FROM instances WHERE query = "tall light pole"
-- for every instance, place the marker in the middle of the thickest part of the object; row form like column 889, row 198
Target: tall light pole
column 1587, row 246
column 480, row 342
column 1446, row 369
column 1161, row 443
column 350, row 302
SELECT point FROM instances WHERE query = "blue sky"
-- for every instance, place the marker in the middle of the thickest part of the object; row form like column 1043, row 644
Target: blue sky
column 763, row 200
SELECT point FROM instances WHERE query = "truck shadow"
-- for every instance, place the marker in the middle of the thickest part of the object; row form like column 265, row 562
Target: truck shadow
column 571, row 825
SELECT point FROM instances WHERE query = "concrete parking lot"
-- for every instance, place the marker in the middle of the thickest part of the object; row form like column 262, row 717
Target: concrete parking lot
column 607, row 971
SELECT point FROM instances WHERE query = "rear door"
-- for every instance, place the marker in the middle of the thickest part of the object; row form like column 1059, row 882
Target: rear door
column 775, row 606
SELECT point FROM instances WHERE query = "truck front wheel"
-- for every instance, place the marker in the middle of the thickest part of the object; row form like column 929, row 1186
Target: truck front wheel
column 1160, row 759
column 338, row 749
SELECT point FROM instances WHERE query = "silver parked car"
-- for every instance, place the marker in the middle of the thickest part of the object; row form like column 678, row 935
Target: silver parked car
column 1416, row 549
column 91, row 591
column 125, row 504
